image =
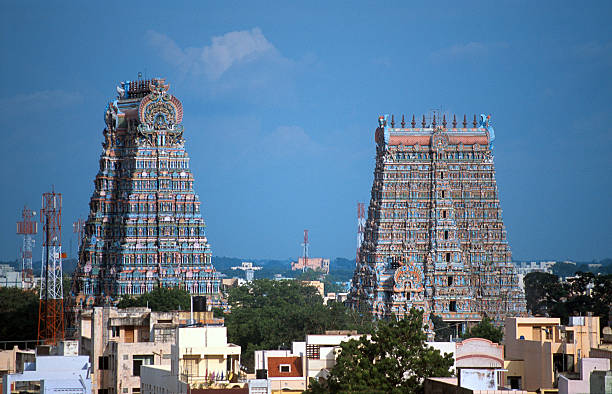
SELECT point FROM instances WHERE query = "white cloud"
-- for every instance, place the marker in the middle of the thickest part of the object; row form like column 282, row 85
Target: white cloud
column 214, row 60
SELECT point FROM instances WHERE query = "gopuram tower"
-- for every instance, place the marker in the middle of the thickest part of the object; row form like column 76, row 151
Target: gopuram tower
column 144, row 229
column 434, row 237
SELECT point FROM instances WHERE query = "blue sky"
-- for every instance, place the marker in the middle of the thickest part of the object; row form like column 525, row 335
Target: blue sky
column 281, row 101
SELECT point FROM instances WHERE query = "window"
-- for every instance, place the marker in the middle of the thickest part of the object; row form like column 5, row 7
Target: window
column 444, row 214
column 443, row 193
column 450, row 280
column 139, row 360
column 115, row 332
column 284, row 368
column 448, row 257
column 445, row 234
column 514, row 382
column 453, row 306
column 312, row 352
column 191, row 365
column 103, row 362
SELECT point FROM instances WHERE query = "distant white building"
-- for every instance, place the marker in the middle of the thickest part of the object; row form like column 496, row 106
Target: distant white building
column 9, row 277
column 524, row 267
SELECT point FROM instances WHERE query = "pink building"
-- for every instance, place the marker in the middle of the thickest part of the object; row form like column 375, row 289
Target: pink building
column 314, row 263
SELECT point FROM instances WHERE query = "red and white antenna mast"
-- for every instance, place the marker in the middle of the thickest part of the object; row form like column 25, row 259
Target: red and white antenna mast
column 305, row 245
column 27, row 227
column 360, row 227
column 51, row 307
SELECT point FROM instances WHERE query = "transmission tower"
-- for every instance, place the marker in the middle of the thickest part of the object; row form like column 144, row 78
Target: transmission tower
column 51, row 307
column 305, row 245
column 27, row 227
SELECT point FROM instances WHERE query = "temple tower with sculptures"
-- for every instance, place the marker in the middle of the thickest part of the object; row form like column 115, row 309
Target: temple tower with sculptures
column 144, row 229
column 434, row 236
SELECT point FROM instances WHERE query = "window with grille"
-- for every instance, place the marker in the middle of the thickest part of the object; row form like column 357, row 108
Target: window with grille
column 312, row 352
column 191, row 365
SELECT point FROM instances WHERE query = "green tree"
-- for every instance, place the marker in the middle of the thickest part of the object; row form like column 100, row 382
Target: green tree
column 161, row 299
column 541, row 291
column 18, row 314
column 442, row 329
column 267, row 314
column 579, row 295
column 485, row 329
column 395, row 359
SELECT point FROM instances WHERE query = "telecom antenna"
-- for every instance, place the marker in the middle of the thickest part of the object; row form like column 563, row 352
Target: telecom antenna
column 51, row 306
column 27, row 227
column 305, row 245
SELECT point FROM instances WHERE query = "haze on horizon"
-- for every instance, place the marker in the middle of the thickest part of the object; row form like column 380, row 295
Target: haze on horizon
column 281, row 103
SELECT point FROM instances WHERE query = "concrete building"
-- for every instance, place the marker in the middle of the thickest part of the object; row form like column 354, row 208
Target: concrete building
column 582, row 385
column 317, row 284
column 283, row 370
column 313, row 263
column 526, row 267
column 201, row 358
column 321, row 352
column 286, row 374
column 14, row 360
column 337, row 297
column 538, row 349
column 61, row 370
column 120, row 341
column 9, row 277
column 479, row 367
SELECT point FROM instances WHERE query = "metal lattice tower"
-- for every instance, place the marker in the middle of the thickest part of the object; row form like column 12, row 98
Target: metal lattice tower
column 51, row 307
column 27, row 227
column 305, row 245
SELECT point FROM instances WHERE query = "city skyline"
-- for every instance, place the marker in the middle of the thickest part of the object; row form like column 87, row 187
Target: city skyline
column 282, row 103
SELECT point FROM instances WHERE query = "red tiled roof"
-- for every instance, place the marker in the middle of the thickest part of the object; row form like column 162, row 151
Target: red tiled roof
column 274, row 364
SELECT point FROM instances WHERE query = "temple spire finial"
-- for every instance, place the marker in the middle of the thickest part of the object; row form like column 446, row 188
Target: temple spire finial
column 474, row 122
column 423, row 123
column 444, row 120
column 413, row 122
column 434, row 121
column 464, row 121
column 392, row 120
column 403, row 122
column 454, row 121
